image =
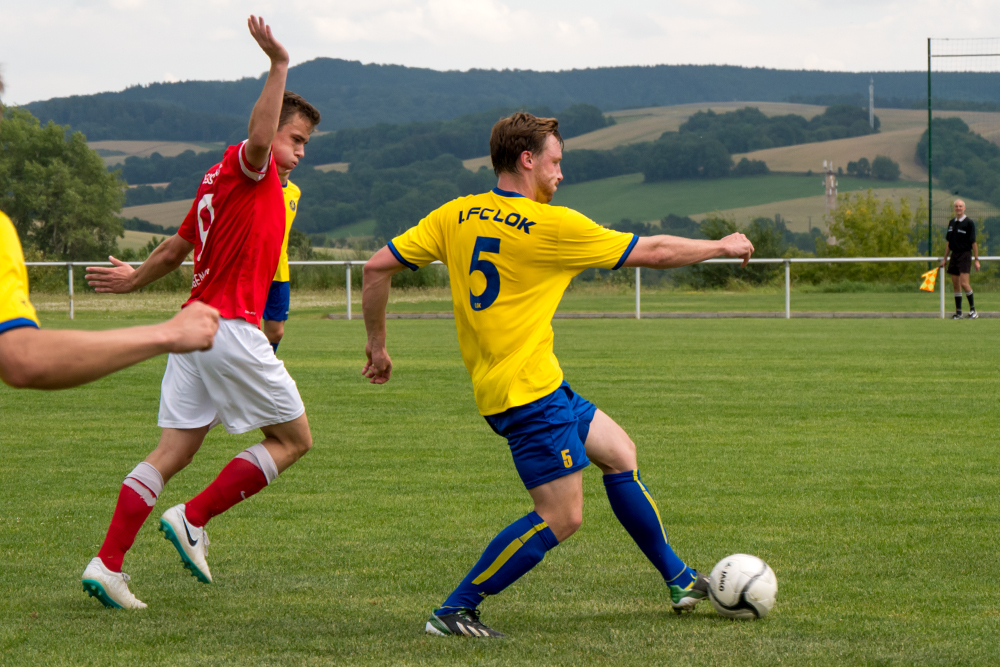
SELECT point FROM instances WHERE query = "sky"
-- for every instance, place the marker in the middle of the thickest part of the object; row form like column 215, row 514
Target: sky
column 53, row 48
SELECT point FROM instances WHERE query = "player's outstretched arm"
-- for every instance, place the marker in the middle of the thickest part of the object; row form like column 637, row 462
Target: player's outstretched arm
column 671, row 252
column 50, row 359
column 267, row 110
column 374, row 297
column 122, row 278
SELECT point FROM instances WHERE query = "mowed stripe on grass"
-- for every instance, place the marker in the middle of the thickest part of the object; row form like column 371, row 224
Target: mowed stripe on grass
column 840, row 452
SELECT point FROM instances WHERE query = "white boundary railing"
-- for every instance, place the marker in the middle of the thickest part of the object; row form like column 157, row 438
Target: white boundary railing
column 347, row 264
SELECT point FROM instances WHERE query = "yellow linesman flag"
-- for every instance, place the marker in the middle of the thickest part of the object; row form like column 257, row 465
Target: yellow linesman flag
column 929, row 279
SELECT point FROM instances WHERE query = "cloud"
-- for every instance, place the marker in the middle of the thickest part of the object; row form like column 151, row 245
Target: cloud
column 136, row 41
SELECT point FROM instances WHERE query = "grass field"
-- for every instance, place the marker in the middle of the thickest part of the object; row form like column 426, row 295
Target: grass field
column 611, row 199
column 582, row 298
column 857, row 458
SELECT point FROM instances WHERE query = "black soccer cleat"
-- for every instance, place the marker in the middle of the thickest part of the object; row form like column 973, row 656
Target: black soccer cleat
column 686, row 599
column 973, row 315
column 958, row 316
column 461, row 623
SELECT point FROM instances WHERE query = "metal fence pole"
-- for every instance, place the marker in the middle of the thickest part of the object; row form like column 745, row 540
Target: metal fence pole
column 348, row 266
column 941, row 271
column 70, row 272
column 788, row 290
column 638, row 311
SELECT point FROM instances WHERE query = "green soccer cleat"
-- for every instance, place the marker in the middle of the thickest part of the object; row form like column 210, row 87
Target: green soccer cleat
column 461, row 623
column 685, row 599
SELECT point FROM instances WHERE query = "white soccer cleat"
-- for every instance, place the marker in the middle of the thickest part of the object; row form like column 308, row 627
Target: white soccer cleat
column 110, row 588
column 190, row 541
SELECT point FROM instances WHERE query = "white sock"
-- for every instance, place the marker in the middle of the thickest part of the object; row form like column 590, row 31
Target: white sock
column 146, row 481
column 260, row 457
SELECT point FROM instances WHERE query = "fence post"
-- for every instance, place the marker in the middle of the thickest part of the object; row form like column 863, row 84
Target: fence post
column 941, row 271
column 788, row 290
column 638, row 311
column 348, row 265
column 69, row 265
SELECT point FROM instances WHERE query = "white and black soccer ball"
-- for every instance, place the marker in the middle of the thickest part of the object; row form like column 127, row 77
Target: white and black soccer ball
column 742, row 586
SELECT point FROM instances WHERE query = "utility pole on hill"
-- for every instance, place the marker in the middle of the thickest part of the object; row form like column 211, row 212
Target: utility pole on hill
column 871, row 102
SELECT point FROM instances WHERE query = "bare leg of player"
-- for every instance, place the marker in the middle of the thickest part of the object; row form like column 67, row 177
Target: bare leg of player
column 274, row 330
column 251, row 470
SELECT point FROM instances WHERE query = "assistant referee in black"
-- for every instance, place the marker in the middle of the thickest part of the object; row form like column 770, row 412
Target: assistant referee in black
column 963, row 248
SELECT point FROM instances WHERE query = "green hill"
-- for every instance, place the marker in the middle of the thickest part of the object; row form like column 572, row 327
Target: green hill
column 610, row 200
column 350, row 94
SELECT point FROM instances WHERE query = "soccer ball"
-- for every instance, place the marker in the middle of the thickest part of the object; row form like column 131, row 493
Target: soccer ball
column 742, row 586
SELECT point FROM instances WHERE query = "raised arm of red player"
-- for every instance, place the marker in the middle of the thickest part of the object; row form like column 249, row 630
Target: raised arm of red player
column 264, row 118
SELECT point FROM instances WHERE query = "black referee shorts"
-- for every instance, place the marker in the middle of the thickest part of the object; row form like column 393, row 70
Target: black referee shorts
column 960, row 262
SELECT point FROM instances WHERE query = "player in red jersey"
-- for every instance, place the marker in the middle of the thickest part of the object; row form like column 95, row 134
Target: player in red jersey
column 235, row 228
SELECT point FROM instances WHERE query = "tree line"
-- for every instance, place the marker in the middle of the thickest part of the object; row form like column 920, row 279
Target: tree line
column 748, row 129
column 861, row 224
column 703, row 145
column 351, row 94
column 100, row 118
column 396, row 168
column 964, row 162
column 56, row 191
column 383, row 145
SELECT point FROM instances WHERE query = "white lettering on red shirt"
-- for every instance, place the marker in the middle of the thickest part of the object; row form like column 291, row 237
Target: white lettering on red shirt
column 237, row 224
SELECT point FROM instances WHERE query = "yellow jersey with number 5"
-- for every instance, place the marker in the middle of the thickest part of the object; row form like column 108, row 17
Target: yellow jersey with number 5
column 15, row 308
column 292, row 194
column 509, row 261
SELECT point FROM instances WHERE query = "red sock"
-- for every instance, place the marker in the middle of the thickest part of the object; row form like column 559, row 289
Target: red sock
column 130, row 513
column 239, row 480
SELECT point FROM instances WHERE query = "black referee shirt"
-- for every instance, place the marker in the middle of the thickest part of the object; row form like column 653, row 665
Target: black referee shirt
column 961, row 234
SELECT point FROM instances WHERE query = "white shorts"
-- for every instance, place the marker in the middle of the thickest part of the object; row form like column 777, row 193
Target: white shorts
column 238, row 383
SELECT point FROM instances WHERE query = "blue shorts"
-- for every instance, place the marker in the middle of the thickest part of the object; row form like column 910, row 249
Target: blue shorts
column 546, row 436
column 278, row 298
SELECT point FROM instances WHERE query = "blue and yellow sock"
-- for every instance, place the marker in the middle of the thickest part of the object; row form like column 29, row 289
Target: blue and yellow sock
column 518, row 548
column 634, row 506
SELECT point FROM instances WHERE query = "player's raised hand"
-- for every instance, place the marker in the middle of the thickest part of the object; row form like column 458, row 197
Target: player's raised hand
column 737, row 245
column 193, row 328
column 115, row 279
column 378, row 368
column 268, row 44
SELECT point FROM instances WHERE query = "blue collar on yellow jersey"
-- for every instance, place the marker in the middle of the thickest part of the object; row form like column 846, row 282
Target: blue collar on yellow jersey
column 504, row 193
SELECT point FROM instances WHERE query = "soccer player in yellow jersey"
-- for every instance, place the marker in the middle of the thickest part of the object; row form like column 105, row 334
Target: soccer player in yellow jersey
column 510, row 258
column 32, row 357
column 278, row 297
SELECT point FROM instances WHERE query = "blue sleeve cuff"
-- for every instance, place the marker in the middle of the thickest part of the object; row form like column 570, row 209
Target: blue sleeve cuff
column 17, row 324
column 628, row 251
column 410, row 265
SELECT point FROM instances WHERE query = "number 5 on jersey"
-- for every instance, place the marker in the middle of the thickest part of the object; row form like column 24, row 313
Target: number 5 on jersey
column 489, row 271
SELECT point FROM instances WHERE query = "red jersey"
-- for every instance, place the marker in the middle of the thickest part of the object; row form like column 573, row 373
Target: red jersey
column 237, row 225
